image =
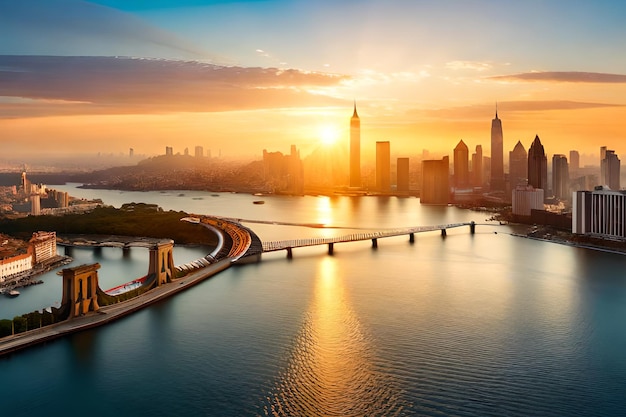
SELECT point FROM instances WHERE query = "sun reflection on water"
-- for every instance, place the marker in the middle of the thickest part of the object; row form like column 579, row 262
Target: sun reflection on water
column 331, row 371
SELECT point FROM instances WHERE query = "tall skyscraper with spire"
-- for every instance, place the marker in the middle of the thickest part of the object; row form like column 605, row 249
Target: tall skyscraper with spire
column 497, row 155
column 355, row 149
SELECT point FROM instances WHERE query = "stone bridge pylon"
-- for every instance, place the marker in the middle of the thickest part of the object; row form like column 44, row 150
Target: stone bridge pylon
column 80, row 289
column 162, row 263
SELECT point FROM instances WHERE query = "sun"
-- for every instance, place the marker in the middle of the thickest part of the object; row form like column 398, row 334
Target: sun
column 328, row 135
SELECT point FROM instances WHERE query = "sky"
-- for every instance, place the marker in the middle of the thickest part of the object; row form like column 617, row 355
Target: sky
column 237, row 77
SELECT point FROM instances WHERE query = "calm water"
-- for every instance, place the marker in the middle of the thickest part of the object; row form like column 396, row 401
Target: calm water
column 489, row 324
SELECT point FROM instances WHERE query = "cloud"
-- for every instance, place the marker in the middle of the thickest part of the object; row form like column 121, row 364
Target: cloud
column 483, row 111
column 562, row 76
column 113, row 85
column 468, row 65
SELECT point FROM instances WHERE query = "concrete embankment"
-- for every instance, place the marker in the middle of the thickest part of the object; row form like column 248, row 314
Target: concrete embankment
column 109, row 313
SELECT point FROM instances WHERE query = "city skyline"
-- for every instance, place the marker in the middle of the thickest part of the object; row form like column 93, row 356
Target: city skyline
column 275, row 73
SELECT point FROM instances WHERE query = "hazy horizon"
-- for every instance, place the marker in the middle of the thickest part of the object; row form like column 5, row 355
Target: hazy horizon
column 239, row 77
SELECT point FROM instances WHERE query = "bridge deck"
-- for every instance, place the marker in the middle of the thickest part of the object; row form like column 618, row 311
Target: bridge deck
column 298, row 243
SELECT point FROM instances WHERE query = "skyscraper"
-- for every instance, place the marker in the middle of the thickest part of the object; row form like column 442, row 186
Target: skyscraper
column 518, row 166
column 402, row 181
column 574, row 163
column 355, row 149
column 383, row 167
column 461, row 165
column 477, row 167
column 537, row 165
column 497, row 155
column 609, row 169
column 199, row 151
column 560, row 177
column 435, row 181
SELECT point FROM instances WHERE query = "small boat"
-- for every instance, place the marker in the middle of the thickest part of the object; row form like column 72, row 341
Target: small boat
column 258, row 202
column 13, row 293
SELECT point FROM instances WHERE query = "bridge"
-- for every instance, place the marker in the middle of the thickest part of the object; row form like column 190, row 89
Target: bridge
column 288, row 245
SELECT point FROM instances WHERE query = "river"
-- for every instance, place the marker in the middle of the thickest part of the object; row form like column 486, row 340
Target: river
column 469, row 325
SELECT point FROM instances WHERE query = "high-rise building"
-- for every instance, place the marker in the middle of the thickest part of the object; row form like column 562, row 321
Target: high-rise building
column 537, row 165
column 497, row 155
column 131, row 152
column 560, row 177
column 402, row 182
column 355, row 149
column 525, row 199
column 599, row 212
column 435, row 181
column 169, row 151
column 518, row 166
column 574, row 163
column 35, row 204
column 199, row 152
column 283, row 173
column 461, row 166
column 383, row 167
column 609, row 169
column 477, row 167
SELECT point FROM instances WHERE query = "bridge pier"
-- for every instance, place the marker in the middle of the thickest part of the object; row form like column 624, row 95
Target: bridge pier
column 125, row 251
column 97, row 250
column 331, row 247
column 412, row 237
column 68, row 251
column 374, row 243
column 444, row 233
column 472, row 227
column 289, row 253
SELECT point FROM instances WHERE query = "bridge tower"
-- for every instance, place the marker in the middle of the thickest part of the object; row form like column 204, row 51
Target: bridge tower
column 162, row 262
column 80, row 289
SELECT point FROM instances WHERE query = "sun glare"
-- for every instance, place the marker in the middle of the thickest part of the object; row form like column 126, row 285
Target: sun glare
column 328, row 135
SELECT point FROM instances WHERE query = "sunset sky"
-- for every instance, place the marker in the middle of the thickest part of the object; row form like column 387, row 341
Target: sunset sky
column 241, row 76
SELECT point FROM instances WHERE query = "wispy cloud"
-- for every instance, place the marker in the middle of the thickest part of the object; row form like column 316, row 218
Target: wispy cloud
column 109, row 85
column 482, row 111
column 468, row 65
column 562, row 76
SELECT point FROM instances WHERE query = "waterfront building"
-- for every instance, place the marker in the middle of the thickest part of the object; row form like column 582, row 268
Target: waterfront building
column 43, row 246
column 477, row 167
column 537, row 165
column 560, row 177
column 402, row 182
column 609, row 168
column 461, row 166
column 497, row 155
column 601, row 212
column 383, row 167
column 14, row 265
column 518, row 166
column 525, row 199
column 435, row 181
column 355, row 149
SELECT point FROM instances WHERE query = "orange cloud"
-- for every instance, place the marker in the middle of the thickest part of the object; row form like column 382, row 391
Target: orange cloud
column 563, row 76
column 111, row 85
